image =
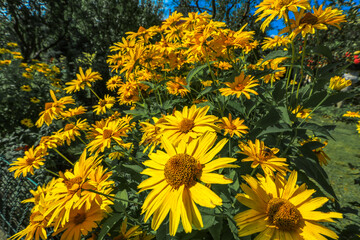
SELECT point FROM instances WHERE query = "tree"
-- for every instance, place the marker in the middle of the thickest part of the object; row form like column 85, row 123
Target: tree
column 47, row 28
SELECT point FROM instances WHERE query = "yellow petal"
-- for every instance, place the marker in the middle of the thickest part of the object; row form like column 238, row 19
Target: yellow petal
column 214, row 178
column 204, row 196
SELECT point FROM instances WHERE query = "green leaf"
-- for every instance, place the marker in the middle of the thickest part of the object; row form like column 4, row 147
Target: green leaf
column 284, row 113
column 215, row 231
column 276, row 54
column 337, row 97
column 317, row 129
column 192, row 74
column 119, row 205
column 273, row 129
column 208, row 216
column 135, row 168
column 322, row 50
column 108, row 224
column 314, row 100
column 279, row 91
column 205, row 91
column 270, row 119
column 315, row 173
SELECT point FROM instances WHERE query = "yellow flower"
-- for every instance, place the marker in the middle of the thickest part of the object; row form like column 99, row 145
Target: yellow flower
column 306, row 22
column 25, row 88
column 53, row 109
column 82, row 80
column 81, row 221
column 113, row 83
column 276, row 41
column 152, row 134
column 338, row 83
column 273, row 8
column 104, row 104
column 222, row 65
column 282, row 210
column 28, row 75
column 105, row 132
column 12, row 44
column 27, row 122
column 129, row 234
column 116, row 155
column 358, row 126
column 188, row 124
column 32, row 160
column 176, row 86
column 232, row 127
column 70, row 192
column 261, row 155
column 129, row 92
column 351, row 114
column 72, row 130
column 241, row 85
column 5, row 62
column 175, row 177
column 71, row 112
column 34, row 100
column 302, row 112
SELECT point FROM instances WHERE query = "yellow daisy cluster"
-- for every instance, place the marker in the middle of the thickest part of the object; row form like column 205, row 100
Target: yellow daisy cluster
column 183, row 42
column 185, row 130
column 73, row 203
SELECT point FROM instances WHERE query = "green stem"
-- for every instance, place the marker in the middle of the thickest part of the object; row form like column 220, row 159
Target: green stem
column 81, row 140
column 55, row 174
column 94, row 93
column 302, row 69
column 317, row 106
column 230, row 148
column 211, row 72
column 63, row 156
column 253, row 172
column 112, row 197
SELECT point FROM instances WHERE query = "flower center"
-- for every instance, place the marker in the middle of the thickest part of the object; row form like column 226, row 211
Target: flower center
column 48, row 105
column 239, row 87
column 30, row 161
column 69, row 126
column 102, row 103
column 107, row 133
column 73, row 185
column 232, row 127
column 186, row 125
column 283, row 214
column 79, row 218
column 181, row 169
column 283, row 3
column 309, row 19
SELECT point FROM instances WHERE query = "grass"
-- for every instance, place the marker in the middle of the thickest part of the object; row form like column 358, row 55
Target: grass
column 343, row 170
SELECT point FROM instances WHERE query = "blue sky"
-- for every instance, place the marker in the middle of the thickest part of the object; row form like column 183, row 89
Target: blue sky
column 277, row 24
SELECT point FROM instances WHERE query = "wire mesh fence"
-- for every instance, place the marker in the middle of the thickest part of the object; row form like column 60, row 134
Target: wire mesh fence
column 14, row 216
